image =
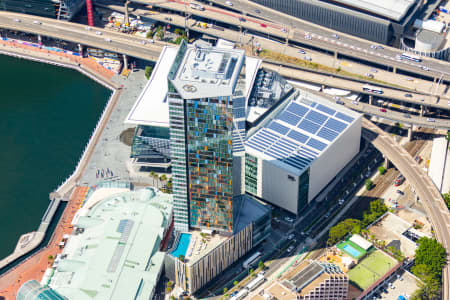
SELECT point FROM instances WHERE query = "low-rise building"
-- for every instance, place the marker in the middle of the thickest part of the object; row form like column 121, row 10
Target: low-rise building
column 114, row 251
column 314, row 280
column 205, row 255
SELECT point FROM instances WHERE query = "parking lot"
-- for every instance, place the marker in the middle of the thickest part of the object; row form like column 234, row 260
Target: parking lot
column 404, row 285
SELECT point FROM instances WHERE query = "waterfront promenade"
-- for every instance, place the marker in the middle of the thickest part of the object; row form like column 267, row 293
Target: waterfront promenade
column 34, row 266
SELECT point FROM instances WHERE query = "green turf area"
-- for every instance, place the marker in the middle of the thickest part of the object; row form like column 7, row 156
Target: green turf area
column 345, row 244
column 370, row 269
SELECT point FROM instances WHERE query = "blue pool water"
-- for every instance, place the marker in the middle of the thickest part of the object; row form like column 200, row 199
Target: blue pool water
column 182, row 246
column 350, row 250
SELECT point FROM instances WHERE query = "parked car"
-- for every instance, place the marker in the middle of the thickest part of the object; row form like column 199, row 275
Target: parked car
column 288, row 219
column 301, row 51
column 98, row 33
column 400, row 179
column 418, row 159
column 289, row 250
column 291, row 236
column 340, row 102
column 229, row 3
column 400, row 192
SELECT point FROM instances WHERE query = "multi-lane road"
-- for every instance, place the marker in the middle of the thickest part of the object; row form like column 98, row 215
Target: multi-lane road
column 77, row 33
column 424, row 188
column 322, row 37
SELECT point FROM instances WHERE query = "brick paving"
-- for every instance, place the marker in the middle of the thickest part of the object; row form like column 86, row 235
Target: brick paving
column 35, row 266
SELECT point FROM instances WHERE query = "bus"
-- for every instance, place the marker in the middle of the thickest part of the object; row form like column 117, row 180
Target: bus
column 256, row 282
column 241, row 295
column 372, row 89
column 411, row 57
column 251, row 260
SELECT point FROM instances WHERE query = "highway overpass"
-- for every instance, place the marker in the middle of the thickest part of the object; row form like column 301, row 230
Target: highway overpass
column 346, row 44
column 434, row 205
column 331, row 81
column 77, row 33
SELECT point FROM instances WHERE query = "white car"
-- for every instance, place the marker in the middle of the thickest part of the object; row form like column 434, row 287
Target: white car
column 108, row 40
column 88, row 28
column 373, row 47
column 287, row 219
column 98, row 33
column 289, row 250
column 354, row 102
column 283, row 30
column 36, row 22
column 229, row 3
column 290, row 237
column 17, row 20
column 151, row 41
column 341, row 201
column 425, row 68
column 335, row 36
column 143, row 42
column 262, row 273
column 308, row 37
column 430, row 120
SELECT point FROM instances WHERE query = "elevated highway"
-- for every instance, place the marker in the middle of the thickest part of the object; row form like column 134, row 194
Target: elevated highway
column 327, row 80
column 424, row 188
column 77, row 33
column 346, row 44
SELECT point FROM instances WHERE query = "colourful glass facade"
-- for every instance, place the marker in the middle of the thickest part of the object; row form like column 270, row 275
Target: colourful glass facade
column 210, row 162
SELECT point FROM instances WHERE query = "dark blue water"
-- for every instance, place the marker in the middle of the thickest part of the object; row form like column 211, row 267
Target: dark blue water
column 47, row 115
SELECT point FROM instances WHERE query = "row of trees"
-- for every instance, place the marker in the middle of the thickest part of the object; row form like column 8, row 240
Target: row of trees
column 167, row 183
column 340, row 230
column 429, row 260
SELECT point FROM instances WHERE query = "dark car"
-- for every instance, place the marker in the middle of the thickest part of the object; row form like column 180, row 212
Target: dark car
column 257, row 11
column 408, row 95
column 242, row 19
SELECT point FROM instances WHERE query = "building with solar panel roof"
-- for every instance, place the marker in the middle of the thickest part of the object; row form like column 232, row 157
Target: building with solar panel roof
column 298, row 149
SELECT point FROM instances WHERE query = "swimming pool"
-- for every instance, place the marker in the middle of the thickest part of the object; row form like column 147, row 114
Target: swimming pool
column 183, row 244
column 350, row 250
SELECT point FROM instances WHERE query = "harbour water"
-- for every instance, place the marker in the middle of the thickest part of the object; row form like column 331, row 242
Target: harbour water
column 47, row 115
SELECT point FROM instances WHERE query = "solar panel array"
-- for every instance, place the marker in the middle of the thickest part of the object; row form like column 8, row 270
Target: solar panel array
column 299, row 133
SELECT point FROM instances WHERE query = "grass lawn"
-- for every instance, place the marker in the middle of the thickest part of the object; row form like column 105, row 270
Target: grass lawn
column 370, row 269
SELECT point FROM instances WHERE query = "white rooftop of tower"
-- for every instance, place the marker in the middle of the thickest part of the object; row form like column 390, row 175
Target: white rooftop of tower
column 152, row 108
column 206, row 71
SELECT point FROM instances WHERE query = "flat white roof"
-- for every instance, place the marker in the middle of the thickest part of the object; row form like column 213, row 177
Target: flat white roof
column 439, row 169
column 360, row 241
column 300, row 132
column 391, row 9
column 152, row 107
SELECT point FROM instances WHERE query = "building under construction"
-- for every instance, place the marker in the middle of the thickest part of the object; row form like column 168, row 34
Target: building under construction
column 59, row 9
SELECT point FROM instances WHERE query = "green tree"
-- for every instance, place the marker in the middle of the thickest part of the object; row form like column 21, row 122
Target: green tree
column 179, row 39
column 432, row 254
column 261, row 264
column 172, row 298
column 448, row 136
column 168, row 289
column 381, row 170
column 149, row 34
column 447, row 199
column 179, row 31
column 169, row 283
column 160, row 34
column 181, row 257
column 148, row 71
column 429, row 288
column 340, row 230
column 225, row 290
column 235, row 282
column 369, row 184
